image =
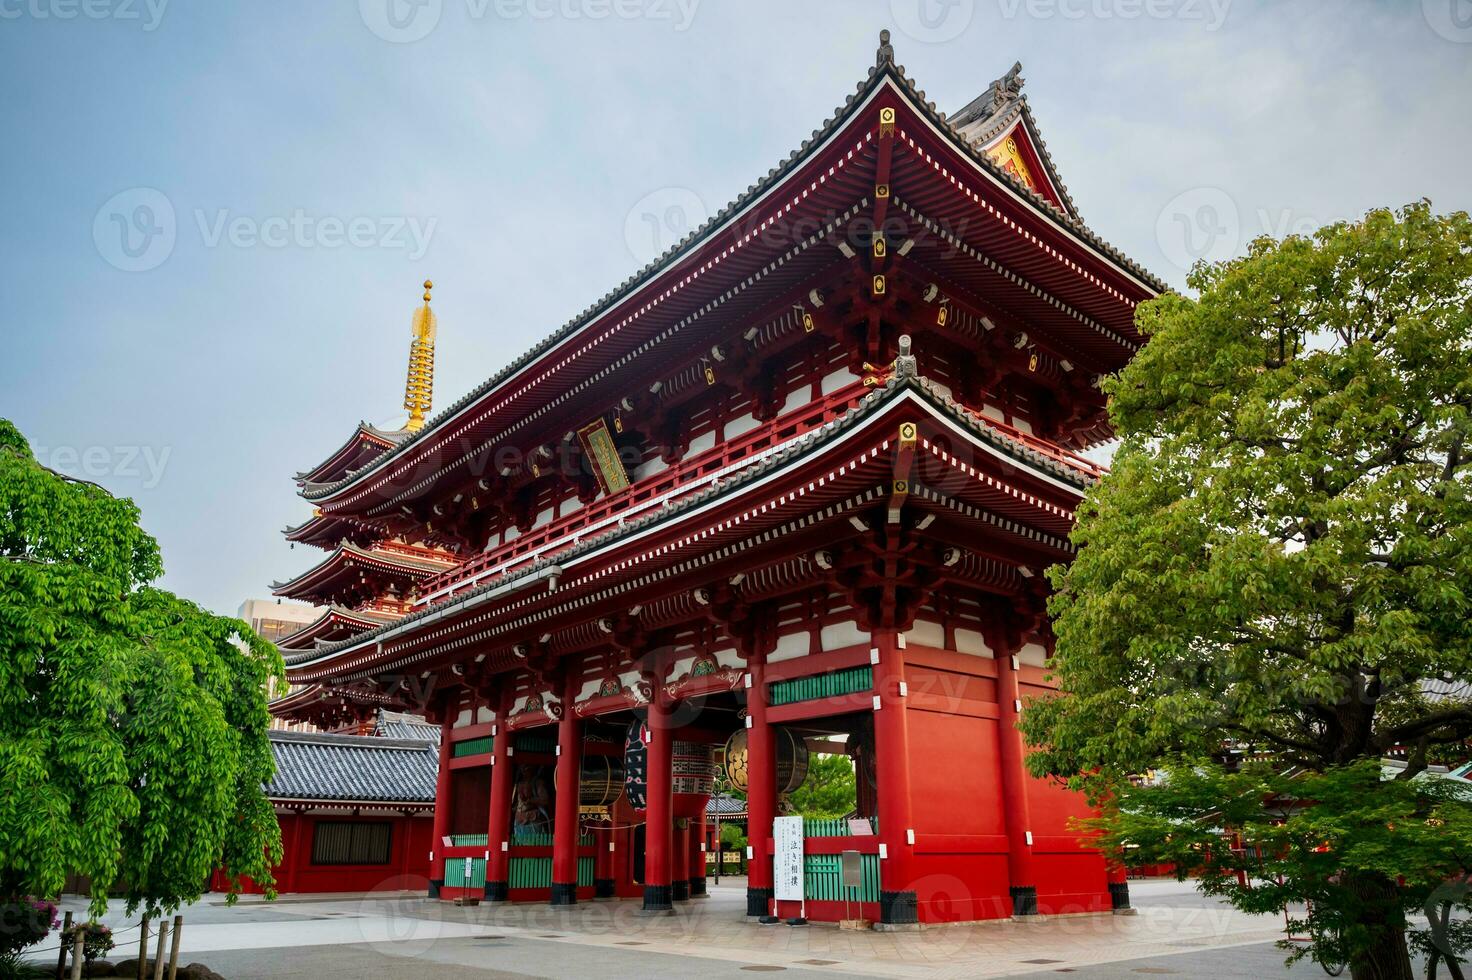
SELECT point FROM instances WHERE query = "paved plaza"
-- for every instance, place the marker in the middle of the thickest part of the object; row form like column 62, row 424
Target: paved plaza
column 1176, row 932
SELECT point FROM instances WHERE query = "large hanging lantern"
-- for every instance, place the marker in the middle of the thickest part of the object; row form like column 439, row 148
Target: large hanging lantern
column 693, row 772
column 792, row 760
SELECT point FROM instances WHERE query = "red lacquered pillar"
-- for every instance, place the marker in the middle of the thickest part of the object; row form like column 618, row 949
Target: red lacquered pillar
column 565, row 824
column 697, row 856
column 1119, row 890
column 441, row 807
column 680, row 860
column 898, row 904
column 498, row 826
column 659, row 807
column 761, row 790
column 1020, row 875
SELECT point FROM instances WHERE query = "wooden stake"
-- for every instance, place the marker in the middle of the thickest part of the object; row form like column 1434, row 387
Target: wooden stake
column 143, row 947
column 174, row 948
column 158, row 961
column 77, row 952
column 66, row 928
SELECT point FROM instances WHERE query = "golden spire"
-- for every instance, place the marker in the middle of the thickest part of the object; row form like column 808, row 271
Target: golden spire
column 419, row 388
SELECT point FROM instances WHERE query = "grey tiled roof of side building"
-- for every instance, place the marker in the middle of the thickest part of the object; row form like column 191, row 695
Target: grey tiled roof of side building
column 353, row 768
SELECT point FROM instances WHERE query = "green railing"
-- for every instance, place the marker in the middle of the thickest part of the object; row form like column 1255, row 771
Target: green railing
column 537, row 872
column 469, row 840
column 823, row 879
column 838, row 682
column 832, row 827
column 455, row 873
column 472, row 746
column 535, row 742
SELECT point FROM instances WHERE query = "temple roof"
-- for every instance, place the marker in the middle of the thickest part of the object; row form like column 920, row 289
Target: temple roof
column 336, row 623
column 328, row 532
column 1057, row 466
column 365, row 444
column 989, row 117
column 884, row 73
column 312, row 766
column 343, row 569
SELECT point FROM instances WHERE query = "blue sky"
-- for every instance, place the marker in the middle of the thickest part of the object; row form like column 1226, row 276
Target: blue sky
column 287, row 173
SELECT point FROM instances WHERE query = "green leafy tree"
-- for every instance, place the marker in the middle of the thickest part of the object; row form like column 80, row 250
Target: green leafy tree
column 1276, row 572
column 828, row 790
column 133, row 724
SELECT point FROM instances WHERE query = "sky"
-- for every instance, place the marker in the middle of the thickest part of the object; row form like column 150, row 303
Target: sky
column 215, row 216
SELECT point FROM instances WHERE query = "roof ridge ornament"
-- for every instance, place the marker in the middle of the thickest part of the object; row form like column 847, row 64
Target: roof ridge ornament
column 419, row 385
column 885, row 54
column 906, row 365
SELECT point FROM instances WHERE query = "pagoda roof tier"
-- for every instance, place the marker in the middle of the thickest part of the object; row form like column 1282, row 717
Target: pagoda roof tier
column 967, row 216
column 351, row 575
column 337, row 623
column 328, row 532
column 366, row 444
column 1002, row 507
column 1002, row 111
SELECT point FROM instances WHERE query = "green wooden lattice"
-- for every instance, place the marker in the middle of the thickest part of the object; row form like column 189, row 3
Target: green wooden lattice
column 839, row 682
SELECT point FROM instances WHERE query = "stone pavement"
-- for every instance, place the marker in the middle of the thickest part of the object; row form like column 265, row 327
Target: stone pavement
column 394, row 934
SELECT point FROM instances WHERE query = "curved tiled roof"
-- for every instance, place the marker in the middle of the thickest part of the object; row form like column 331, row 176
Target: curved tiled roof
column 885, row 69
column 1078, row 475
column 352, row 768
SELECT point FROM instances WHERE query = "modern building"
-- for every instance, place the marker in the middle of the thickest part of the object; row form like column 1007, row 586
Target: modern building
column 790, row 488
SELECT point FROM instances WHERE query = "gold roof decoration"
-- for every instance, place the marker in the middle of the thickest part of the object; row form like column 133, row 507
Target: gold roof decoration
column 419, row 386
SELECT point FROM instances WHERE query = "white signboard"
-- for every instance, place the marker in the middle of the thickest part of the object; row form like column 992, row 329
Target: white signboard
column 787, row 862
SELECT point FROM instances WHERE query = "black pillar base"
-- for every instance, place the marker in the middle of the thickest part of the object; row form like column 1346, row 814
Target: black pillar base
column 1024, row 900
column 758, row 900
column 657, row 898
column 898, row 908
column 680, row 889
column 496, row 891
column 603, row 888
column 564, row 893
column 1119, row 895
column 697, row 887
column 434, row 888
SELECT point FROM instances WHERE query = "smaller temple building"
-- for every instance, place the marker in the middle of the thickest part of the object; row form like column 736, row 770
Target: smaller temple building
column 356, row 811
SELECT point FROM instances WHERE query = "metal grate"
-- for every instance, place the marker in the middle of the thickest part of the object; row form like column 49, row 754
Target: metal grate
column 472, row 746
column 851, row 681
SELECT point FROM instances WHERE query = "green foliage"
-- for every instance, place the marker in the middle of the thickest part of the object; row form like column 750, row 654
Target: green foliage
column 829, row 789
column 1280, row 558
column 732, row 836
column 133, row 724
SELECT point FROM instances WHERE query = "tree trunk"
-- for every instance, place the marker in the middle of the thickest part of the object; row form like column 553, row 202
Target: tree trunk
column 1386, row 956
